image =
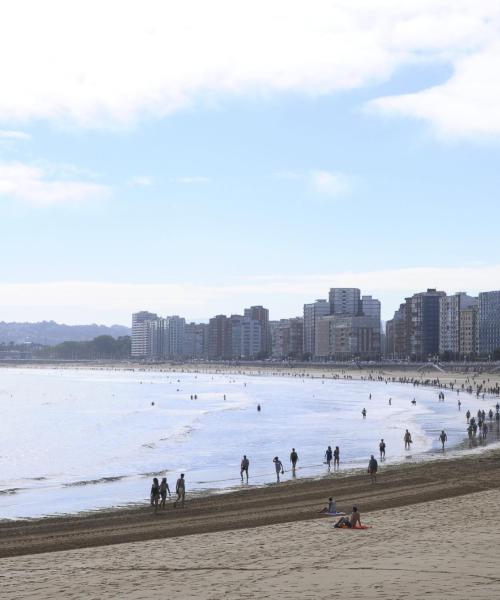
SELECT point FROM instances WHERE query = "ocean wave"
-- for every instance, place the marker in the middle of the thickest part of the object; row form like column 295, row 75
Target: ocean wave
column 94, row 481
column 10, row 491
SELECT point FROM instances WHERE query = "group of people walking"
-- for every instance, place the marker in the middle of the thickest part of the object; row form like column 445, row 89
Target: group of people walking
column 159, row 492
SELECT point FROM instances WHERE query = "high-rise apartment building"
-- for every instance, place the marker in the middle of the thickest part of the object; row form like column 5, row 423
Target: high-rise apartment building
column 469, row 334
column 288, row 338
column 450, row 308
column 345, row 301
column 396, row 334
column 345, row 337
column 312, row 312
column 261, row 314
column 141, row 340
column 219, row 338
column 196, row 340
column 422, row 324
column 489, row 322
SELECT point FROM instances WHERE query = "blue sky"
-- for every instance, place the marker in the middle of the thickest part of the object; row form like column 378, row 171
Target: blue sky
column 226, row 192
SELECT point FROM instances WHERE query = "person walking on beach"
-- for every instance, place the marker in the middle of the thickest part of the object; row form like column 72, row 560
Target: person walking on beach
column 443, row 437
column 329, row 456
column 245, row 463
column 382, row 449
column 372, row 469
column 467, row 414
column 294, row 457
column 180, row 490
column 408, row 440
column 336, row 458
column 163, row 492
column 155, row 493
column 278, row 465
column 363, row 412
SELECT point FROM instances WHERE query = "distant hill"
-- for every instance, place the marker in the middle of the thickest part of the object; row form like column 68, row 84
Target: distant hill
column 50, row 333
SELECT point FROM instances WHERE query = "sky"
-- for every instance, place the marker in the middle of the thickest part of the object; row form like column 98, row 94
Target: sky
column 197, row 157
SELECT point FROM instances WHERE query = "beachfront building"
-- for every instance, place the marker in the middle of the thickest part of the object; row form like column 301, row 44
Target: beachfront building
column 220, row 338
column 345, row 337
column 345, row 301
column 395, row 330
column 141, row 333
column 312, row 312
column 450, row 308
column 422, row 324
column 287, row 338
column 195, row 340
column 489, row 323
column 469, row 333
column 261, row 314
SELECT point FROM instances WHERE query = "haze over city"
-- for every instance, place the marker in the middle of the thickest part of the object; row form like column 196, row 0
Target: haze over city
column 244, row 154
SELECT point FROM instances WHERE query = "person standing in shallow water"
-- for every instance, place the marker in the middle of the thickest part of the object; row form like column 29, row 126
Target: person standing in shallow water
column 336, row 458
column 382, row 449
column 363, row 412
column 407, row 439
column 245, row 463
column 329, row 456
column 278, row 465
column 444, row 438
column 294, row 457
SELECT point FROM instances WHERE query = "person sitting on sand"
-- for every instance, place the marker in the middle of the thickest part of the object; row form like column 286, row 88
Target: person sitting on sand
column 180, row 490
column 155, row 493
column 163, row 492
column 331, row 508
column 352, row 522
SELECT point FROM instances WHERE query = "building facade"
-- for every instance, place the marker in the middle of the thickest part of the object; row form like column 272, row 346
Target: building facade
column 141, row 336
column 450, row 308
column 344, row 337
column 345, row 301
column 313, row 312
column 489, row 323
column 422, row 325
column 469, row 333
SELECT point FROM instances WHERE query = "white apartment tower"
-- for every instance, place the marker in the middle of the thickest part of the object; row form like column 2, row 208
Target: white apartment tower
column 312, row 313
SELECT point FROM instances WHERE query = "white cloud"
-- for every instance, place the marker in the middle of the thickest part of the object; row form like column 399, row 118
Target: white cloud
column 193, row 179
column 330, row 183
column 141, row 181
column 109, row 63
column 468, row 104
column 37, row 185
column 6, row 134
column 88, row 301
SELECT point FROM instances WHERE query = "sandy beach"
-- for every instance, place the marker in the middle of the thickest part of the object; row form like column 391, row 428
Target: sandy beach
column 432, row 531
column 435, row 549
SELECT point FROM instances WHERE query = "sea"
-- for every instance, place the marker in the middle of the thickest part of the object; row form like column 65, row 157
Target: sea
column 74, row 440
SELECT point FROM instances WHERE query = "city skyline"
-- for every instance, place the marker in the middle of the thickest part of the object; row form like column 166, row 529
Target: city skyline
column 188, row 169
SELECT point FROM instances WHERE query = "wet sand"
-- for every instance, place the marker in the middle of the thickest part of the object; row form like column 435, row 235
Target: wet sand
column 288, row 502
column 444, row 546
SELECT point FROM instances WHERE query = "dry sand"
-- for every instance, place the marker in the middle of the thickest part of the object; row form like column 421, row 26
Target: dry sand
column 442, row 550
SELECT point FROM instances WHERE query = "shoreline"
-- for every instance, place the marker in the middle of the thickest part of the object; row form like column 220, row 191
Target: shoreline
column 291, row 501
